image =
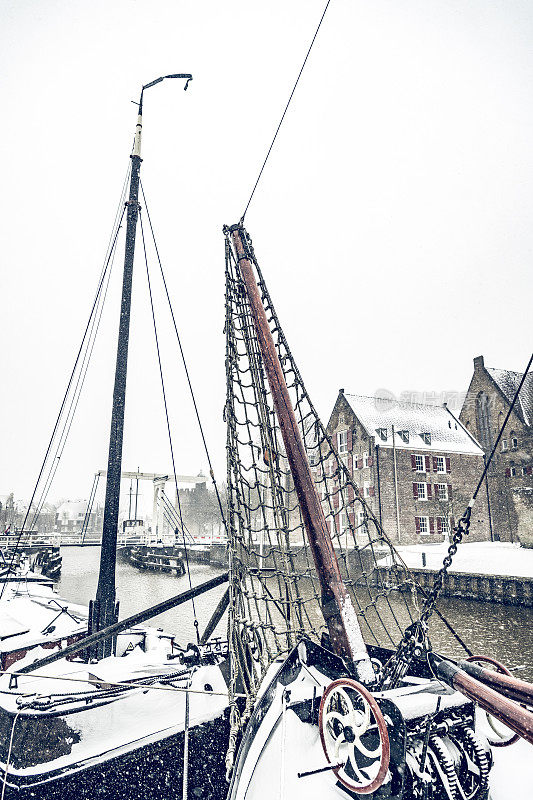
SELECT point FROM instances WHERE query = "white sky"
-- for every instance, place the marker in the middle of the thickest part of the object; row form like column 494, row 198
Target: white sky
column 393, row 222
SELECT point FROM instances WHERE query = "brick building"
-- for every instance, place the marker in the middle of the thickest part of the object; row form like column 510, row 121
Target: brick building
column 416, row 465
column 510, row 477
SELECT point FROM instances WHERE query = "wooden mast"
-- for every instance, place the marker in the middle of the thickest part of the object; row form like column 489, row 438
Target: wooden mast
column 337, row 608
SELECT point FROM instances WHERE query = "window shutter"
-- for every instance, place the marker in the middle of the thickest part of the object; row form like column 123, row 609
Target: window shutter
column 428, row 463
column 417, row 524
column 415, row 491
column 350, row 493
column 435, row 465
column 431, row 525
column 528, row 470
column 413, row 463
column 508, row 472
column 370, row 461
column 360, row 463
column 452, row 523
column 439, row 525
column 448, row 465
column 336, row 500
column 429, row 490
column 450, row 491
column 349, row 440
column 371, row 492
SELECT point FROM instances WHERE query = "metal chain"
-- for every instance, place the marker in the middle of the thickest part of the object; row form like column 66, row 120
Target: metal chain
column 415, row 639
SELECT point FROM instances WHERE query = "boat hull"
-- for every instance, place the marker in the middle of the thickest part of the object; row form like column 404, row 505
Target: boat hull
column 145, row 773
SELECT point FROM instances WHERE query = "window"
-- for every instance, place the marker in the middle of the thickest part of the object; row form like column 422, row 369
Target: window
column 504, row 445
column 419, row 464
column 525, row 470
column 443, row 525
column 382, row 433
column 366, row 489
column 512, row 472
column 426, row 437
column 422, row 525
column 514, row 443
column 365, row 459
column 441, row 490
column 343, row 521
column 439, row 463
column 342, row 441
column 404, row 436
column 422, row 493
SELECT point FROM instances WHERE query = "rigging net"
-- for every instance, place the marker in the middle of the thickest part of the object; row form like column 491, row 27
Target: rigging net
column 274, row 590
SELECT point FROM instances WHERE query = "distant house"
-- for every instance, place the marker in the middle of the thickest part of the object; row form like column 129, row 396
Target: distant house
column 510, row 478
column 70, row 516
column 416, row 465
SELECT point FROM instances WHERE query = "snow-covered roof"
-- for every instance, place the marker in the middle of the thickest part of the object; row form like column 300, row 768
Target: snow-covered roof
column 446, row 433
column 508, row 383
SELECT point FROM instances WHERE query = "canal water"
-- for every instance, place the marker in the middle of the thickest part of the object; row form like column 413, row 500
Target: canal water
column 500, row 631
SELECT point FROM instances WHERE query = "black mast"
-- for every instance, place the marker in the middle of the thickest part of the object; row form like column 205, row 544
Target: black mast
column 104, row 610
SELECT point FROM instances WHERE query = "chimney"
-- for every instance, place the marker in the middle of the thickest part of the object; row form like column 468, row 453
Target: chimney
column 479, row 363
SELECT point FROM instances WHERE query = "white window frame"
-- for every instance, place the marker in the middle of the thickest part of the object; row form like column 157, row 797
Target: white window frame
column 514, row 443
column 442, row 491
column 504, row 445
column 422, row 460
column 524, row 470
column 444, row 524
column 342, row 442
column 441, row 460
column 344, row 522
column 422, row 491
column 512, row 470
column 361, row 527
column 365, row 459
column 366, row 489
column 424, row 520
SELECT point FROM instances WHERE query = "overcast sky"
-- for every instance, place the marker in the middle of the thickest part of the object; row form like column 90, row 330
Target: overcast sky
column 393, row 221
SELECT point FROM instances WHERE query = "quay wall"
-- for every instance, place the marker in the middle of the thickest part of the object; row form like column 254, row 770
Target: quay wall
column 506, row 589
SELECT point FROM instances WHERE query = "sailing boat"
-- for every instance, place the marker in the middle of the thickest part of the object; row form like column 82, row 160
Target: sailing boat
column 134, row 714
column 329, row 712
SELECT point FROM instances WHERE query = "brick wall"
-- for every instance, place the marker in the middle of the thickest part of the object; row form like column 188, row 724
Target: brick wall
column 372, row 466
column 512, row 466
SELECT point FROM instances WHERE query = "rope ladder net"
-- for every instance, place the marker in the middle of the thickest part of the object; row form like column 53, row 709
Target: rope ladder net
column 274, row 590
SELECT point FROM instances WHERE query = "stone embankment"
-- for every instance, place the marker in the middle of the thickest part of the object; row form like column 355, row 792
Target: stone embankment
column 492, row 572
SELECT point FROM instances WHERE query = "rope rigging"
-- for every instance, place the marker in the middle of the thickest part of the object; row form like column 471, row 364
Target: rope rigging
column 285, row 111
column 184, row 362
column 70, row 399
column 163, row 390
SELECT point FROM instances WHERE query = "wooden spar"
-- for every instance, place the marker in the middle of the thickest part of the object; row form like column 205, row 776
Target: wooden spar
column 337, row 608
column 127, row 623
column 512, row 687
column 516, row 717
